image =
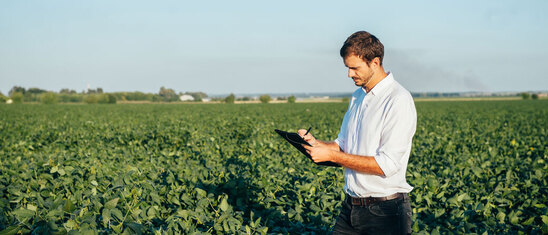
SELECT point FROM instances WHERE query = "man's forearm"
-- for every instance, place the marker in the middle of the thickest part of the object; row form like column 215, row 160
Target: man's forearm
column 364, row 164
column 322, row 151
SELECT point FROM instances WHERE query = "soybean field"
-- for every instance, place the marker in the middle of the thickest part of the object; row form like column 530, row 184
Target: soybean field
column 476, row 167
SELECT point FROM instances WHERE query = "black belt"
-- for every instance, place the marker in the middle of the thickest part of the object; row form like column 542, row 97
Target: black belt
column 363, row 201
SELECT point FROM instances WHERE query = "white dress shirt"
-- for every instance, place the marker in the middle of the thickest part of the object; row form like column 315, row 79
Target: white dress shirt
column 381, row 124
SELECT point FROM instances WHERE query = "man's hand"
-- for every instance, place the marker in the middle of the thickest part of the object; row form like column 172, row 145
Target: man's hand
column 319, row 151
column 308, row 137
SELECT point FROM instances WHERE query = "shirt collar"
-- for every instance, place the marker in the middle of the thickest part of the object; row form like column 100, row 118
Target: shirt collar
column 382, row 85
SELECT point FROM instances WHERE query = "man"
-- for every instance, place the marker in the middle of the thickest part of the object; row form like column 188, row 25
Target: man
column 373, row 144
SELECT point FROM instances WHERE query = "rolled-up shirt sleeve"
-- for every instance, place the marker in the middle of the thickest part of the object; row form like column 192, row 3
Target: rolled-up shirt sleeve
column 340, row 142
column 396, row 135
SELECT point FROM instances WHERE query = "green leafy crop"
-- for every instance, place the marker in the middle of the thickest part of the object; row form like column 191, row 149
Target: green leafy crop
column 221, row 169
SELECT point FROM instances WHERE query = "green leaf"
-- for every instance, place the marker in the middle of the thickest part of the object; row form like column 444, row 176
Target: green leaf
column 258, row 222
column 112, row 203
column 514, row 217
column 54, row 214
column 69, row 206
column 315, row 208
column 136, row 228
column 32, row 207
column 151, row 212
column 462, row 197
column 501, row 216
column 201, row 192
column 136, row 213
column 118, row 214
column 440, row 195
column 183, row 214
column 439, row 212
column 70, row 224
column 10, row 230
column 106, row 217
column 544, row 219
column 453, row 200
column 174, row 200
column 155, row 197
column 23, row 214
column 224, row 204
column 529, row 221
column 117, row 228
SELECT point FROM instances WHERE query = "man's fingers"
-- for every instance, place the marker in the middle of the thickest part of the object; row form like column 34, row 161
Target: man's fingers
column 308, row 148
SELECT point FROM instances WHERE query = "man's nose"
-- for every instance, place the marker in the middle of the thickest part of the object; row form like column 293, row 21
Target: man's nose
column 351, row 73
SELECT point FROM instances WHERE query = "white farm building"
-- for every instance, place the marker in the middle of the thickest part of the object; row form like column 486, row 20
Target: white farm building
column 186, row 98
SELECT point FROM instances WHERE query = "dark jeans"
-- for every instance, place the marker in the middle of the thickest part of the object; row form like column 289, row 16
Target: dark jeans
column 388, row 217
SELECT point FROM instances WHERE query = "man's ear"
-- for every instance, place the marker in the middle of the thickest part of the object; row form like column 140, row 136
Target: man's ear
column 375, row 63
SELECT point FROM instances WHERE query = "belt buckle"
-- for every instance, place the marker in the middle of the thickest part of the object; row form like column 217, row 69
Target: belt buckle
column 359, row 201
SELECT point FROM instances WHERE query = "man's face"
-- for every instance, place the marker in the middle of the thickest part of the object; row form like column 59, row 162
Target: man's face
column 358, row 70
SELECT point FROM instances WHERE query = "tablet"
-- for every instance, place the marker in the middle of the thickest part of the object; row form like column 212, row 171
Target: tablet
column 297, row 141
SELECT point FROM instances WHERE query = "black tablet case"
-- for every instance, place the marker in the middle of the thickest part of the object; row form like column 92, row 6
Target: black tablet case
column 296, row 140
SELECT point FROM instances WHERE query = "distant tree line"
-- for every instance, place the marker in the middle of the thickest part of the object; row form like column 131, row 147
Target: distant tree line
column 92, row 96
column 525, row 96
column 97, row 96
column 230, row 99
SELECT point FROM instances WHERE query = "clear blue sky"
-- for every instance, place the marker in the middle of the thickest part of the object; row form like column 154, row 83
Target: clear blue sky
column 220, row 47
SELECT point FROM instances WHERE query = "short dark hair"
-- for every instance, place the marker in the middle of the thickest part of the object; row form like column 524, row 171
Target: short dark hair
column 364, row 45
